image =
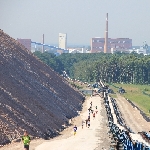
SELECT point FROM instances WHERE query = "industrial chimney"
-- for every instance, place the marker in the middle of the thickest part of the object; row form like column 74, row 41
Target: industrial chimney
column 106, row 36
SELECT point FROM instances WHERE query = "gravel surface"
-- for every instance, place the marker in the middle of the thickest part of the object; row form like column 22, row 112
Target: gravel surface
column 93, row 138
column 132, row 115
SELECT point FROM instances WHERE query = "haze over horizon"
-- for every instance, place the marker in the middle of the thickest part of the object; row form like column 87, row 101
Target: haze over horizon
column 81, row 20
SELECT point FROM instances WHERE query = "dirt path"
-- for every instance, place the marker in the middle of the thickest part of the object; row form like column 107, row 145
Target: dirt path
column 93, row 138
column 132, row 116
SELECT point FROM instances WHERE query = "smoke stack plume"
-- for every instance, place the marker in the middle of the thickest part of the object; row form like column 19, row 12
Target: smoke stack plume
column 106, row 36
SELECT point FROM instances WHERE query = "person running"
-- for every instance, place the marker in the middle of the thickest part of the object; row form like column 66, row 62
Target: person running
column 75, row 129
column 91, row 103
column 88, row 123
column 82, row 124
column 89, row 110
column 93, row 115
column 26, row 140
column 96, row 107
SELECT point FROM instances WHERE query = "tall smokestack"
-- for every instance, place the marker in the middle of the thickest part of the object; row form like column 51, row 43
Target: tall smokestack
column 43, row 43
column 106, row 36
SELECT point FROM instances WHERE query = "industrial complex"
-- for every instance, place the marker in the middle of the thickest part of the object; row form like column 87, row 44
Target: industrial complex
column 97, row 45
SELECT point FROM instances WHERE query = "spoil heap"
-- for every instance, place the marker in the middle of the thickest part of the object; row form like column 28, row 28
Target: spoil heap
column 32, row 96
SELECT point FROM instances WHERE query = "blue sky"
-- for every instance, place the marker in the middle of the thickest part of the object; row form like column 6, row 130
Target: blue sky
column 80, row 19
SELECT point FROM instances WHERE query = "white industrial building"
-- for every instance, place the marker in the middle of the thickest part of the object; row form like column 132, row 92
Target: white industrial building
column 63, row 40
column 139, row 51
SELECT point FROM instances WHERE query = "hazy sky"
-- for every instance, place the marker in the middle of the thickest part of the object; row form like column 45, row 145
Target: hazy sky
column 80, row 19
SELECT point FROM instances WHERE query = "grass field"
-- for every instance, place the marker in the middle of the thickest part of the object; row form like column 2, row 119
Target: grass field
column 135, row 94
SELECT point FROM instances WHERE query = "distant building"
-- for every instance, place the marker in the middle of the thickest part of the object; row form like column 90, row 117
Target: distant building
column 25, row 42
column 113, row 50
column 83, row 50
column 73, row 50
column 97, row 44
column 141, row 50
column 77, row 50
column 60, row 51
column 63, row 40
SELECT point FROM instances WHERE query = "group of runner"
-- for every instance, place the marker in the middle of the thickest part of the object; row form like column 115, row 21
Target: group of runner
column 87, row 121
column 26, row 138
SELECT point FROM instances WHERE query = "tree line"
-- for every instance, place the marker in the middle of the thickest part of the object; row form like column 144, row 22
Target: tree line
column 112, row 68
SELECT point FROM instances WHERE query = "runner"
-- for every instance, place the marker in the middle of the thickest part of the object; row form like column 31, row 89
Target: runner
column 93, row 115
column 96, row 107
column 89, row 110
column 91, row 103
column 26, row 140
column 82, row 124
column 75, row 129
column 88, row 123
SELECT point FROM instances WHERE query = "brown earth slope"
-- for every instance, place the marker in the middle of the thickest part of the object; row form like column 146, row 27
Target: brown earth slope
column 32, row 96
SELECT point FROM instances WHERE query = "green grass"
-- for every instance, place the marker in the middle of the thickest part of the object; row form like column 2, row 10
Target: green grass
column 135, row 94
column 76, row 85
column 113, row 95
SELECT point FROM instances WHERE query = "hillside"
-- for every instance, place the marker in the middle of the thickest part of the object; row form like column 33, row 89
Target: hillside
column 32, row 96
